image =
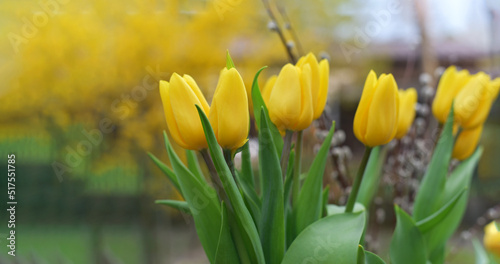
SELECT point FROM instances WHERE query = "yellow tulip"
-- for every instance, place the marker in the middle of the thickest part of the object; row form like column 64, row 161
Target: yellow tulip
column 407, row 102
column 290, row 103
column 267, row 88
column 320, row 73
column 376, row 119
column 179, row 98
column 466, row 143
column 492, row 238
column 229, row 115
column 473, row 102
column 449, row 86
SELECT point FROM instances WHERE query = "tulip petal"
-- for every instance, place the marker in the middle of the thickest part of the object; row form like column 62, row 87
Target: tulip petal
column 361, row 116
column 185, row 112
column 466, row 143
column 472, row 98
column 169, row 114
column 408, row 99
column 229, row 114
column 194, row 87
column 285, row 98
column 268, row 88
column 488, row 96
column 324, row 76
column 383, row 114
column 306, row 104
column 311, row 60
column 450, row 84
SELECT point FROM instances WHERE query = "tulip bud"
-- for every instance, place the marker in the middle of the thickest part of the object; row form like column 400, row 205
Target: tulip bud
column 450, row 84
column 229, row 115
column 492, row 238
column 407, row 102
column 473, row 102
column 320, row 74
column 267, row 88
column 466, row 143
column 290, row 104
column 179, row 98
column 376, row 119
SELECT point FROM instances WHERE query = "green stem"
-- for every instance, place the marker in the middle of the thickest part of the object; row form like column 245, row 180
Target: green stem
column 285, row 153
column 228, row 157
column 297, row 169
column 214, row 177
column 357, row 182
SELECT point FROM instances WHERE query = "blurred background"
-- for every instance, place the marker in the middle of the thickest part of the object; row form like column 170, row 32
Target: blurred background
column 80, row 107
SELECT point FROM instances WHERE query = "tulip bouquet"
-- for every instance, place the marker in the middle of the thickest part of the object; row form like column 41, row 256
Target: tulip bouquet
column 276, row 215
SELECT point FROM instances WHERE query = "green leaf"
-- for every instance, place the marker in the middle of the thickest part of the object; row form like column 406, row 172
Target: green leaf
column 229, row 61
column 324, row 210
column 407, row 245
column 246, row 167
column 434, row 180
column 371, row 177
column 333, row 209
column 258, row 103
column 481, row 255
column 427, row 224
column 179, row 205
column 193, row 164
column 333, row 239
column 459, row 180
column 309, row 203
column 222, row 255
column 241, row 212
column 371, row 258
column 246, row 177
column 206, row 211
column 361, row 255
column 272, row 225
column 168, row 172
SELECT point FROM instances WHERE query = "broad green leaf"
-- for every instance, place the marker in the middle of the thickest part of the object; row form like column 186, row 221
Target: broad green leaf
column 193, row 164
column 206, row 211
column 333, row 239
column 459, row 180
column 241, row 212
column 229, row 61
column 371, row 177
column 309, row 203
column 430, row 222
column 333, row 209
column 179, row 205
column 258, row 103
column 168, row 172
column 481, row 255
column 371, row 258
column 272, row 225
column 407, row 245
column 434, row 180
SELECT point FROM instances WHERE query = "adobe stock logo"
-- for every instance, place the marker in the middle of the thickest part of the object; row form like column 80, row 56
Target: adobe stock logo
column 364, row 36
